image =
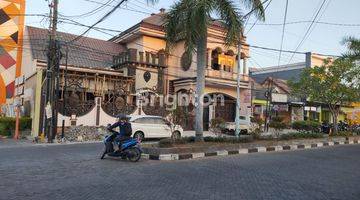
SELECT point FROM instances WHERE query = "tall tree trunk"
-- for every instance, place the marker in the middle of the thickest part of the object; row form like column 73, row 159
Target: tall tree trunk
column 200, row 87
column 335, row 115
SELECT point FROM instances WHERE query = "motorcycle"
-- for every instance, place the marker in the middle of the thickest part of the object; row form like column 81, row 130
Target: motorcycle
column 129, row 149
column 325, row 128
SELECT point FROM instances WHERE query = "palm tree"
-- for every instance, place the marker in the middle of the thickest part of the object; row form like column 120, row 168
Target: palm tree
column 151, row 2
column 353, row 45
column 188, row 21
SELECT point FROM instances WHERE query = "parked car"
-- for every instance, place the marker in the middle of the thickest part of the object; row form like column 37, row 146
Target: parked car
column 147, row 126
column 244, row 126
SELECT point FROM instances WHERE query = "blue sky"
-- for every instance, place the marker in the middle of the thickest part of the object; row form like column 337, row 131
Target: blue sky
column 323, row 39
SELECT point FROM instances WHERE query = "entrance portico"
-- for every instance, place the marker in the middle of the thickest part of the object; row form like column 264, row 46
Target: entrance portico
column 219, row 98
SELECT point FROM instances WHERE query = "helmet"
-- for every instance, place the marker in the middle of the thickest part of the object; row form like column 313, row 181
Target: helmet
column 122, row 117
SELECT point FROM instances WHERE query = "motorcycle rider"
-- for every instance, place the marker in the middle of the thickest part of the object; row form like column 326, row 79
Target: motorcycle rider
column 125, row 130
column 325, row 127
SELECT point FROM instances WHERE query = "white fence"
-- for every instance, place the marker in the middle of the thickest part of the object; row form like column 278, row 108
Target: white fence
column 96, row 117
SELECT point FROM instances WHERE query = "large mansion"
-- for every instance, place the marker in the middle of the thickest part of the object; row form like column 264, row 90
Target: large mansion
column 105, row 78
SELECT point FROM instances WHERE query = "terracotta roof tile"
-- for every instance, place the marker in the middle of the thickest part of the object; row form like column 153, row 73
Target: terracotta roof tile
column 86, row 52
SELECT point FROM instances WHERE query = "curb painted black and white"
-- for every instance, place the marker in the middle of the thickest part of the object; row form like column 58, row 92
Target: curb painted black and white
column 246, row 150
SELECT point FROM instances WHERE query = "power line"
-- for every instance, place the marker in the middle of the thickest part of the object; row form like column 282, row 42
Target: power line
column 309, row 28
column 309, row 21
column 131, row 9
column 146, row 4
column 252, row 23
column 257, row 19
column 179, row 56
column 320, row 16
column 92, row 12
column 210, row 41
column 283, row 31
column 138, row 6
column 261, row 47
column 254, row 9
column 29, row 15
column 99, row 21
column 73, row 22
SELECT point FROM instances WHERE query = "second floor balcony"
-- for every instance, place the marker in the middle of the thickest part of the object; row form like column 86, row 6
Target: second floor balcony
column 224, row 66
column 219, row 65
column 222, row 74
column 133, row 56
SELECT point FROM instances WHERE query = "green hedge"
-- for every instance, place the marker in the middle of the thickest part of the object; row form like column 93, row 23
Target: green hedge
column 307, row 126
column 169, row 142
column 7, row 125
column 301, row 135
column 344, row 133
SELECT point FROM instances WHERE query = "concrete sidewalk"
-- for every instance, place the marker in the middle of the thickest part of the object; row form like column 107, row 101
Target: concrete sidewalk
column 8, row 143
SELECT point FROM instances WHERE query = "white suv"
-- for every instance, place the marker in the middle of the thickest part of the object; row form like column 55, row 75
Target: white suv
column 147, row 126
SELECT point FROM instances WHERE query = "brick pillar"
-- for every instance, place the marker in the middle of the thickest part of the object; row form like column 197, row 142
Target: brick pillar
column 162, row 59
column 147, row 55
column 132, row 55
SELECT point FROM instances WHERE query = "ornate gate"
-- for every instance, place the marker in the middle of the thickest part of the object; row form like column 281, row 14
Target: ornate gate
column 116, row 102
column 77, row 100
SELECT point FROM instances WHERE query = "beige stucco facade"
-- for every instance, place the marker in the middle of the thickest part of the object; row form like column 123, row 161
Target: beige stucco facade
column 146, row 43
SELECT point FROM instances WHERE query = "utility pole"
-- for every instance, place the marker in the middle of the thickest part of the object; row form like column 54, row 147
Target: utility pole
column 237, row 117
column 268, row 104
column 64, row 93
column 53, row 61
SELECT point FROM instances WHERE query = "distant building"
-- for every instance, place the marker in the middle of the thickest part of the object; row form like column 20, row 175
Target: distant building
column 281, row 101
column 278, row 102
column 286, row 72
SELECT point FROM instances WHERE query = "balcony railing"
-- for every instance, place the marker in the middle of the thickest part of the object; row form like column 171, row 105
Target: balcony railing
column 144, row 58
column 222, row 74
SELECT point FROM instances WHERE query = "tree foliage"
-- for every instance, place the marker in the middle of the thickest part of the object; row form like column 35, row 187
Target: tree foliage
column 335, row 83
column 176, row 117
column 353, row 45
column 188, row 20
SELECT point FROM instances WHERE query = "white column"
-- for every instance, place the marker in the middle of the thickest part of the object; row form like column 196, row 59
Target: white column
column 245, row 68
column 221, row 64
column 209, row 59
column 240, row 69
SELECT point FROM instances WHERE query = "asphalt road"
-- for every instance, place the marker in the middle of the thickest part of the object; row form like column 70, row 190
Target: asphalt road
column 75, row 172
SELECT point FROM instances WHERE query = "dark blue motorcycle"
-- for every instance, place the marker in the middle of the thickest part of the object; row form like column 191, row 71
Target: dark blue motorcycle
column 129, row 149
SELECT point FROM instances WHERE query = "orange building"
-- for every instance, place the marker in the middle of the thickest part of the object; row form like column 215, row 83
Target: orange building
column 11, row 37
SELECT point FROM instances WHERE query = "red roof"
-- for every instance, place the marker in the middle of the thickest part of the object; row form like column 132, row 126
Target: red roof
column 85, row 52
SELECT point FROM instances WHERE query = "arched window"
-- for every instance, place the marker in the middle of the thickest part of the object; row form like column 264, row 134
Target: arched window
column 229, row 63
column 215, row 58
column 230, row 53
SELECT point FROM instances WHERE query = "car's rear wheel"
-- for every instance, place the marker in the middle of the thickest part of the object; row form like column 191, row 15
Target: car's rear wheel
column 176, row 135
column 139, row 135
